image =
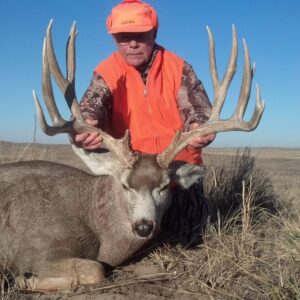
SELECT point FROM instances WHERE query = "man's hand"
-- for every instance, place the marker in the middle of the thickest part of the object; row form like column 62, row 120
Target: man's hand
column 88, row 141
column 201, row 141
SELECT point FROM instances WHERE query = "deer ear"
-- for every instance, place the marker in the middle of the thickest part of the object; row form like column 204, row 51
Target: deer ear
column 186, row 174
column 100, row 162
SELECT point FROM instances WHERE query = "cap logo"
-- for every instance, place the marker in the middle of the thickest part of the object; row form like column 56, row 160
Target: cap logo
column 127, row 21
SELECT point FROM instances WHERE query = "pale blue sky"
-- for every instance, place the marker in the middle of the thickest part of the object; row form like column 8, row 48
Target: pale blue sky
column 270, row 27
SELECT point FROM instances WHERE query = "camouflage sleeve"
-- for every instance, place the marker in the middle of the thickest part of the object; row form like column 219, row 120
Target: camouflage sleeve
column 192, row 100
column 96, row 102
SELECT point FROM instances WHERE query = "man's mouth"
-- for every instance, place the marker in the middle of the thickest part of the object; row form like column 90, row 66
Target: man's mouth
column 134, row 54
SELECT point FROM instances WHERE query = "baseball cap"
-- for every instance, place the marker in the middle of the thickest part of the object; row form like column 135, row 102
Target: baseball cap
column 132, row 16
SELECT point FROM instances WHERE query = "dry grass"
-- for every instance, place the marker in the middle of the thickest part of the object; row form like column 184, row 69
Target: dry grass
column 251, row 249
column 232, row 264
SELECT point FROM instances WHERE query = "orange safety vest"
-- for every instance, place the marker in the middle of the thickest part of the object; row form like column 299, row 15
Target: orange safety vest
column 148, row 110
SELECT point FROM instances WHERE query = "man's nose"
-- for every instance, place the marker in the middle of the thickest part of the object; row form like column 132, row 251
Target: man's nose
column 133, row 44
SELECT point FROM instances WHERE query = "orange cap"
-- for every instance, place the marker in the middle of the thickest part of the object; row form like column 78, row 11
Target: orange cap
column 132, row 16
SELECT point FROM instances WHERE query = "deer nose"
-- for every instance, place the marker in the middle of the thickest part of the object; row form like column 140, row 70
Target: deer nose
column 143, row 228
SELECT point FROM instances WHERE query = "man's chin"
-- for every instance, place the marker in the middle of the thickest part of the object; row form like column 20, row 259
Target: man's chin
column 136, row 63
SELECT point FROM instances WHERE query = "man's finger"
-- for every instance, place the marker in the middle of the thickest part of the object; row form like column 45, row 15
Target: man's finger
column 92, row 122
column 80, row 137
column 92, row 146
column 91, row 138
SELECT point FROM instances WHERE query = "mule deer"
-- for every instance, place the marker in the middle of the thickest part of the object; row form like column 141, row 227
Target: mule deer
column 57, row 232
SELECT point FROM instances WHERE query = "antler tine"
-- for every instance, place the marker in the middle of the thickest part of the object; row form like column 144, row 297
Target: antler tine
column 214, row 124
column 50, row 130
column 65, row 86
column 220, row 89
column 258, row 110
column 212, row 60
column 245, row 93
column 232, row 63
column 71, row 66
column 245, row 87
column 52, row 61
column 48, row 91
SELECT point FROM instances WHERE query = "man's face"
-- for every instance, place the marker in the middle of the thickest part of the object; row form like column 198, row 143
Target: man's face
column 135, row 47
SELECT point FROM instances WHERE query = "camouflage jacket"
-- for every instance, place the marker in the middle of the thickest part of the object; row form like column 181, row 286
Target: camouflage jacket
column 192, row 100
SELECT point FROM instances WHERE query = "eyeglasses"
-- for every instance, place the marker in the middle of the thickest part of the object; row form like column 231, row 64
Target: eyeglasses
column 124, row 39
column 126, row 43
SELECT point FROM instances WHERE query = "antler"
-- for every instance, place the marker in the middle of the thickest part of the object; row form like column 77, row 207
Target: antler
column 215, row 124
column 119, row 147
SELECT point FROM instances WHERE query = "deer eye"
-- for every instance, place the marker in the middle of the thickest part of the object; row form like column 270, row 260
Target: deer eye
column 125, row 187
column 164, row 189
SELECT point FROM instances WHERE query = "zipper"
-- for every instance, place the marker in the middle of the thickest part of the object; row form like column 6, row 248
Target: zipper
column 158, row 147
column 145, row 91
column 147, row 101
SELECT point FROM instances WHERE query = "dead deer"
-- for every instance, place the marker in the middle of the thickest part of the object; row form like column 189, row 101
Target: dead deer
column 55, row 231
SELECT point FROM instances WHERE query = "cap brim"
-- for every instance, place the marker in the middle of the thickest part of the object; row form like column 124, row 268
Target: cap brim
column 132, row 28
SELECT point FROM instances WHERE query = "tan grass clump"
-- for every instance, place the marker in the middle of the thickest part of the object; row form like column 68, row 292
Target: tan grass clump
column 238, row 183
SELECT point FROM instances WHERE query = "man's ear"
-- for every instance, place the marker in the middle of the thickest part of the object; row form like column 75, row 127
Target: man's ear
column 154, row 33
column 186, row 174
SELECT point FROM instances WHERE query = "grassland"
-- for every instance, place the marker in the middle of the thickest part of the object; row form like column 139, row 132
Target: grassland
column 252, row 246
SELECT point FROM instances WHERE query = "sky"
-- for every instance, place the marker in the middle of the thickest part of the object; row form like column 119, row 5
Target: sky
column 270, row 28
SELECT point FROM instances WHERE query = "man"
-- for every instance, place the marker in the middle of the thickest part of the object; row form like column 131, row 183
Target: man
column 144, row 88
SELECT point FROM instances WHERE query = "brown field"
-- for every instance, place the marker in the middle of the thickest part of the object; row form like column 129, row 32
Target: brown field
column 251, row 253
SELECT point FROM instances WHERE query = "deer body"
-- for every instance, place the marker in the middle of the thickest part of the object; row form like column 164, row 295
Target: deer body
column 65, row 218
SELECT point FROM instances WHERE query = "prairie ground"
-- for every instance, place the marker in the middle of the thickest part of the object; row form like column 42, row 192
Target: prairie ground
column 252, row 246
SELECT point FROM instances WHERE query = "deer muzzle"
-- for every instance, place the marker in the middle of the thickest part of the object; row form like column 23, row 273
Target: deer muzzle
column 143, row 228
